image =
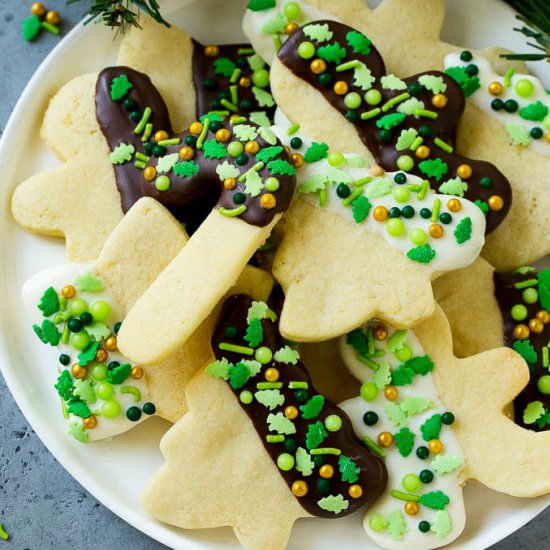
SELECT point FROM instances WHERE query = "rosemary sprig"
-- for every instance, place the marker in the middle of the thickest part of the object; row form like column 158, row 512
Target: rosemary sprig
column 121, row 13
column 535, row 14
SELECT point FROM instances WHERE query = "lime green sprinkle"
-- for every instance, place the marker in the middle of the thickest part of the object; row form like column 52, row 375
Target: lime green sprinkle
column 545, row 357
column 228, row 213
column 374, row 447
column 347, row 201
column 526, row 284
column 413, row 187
column 140, row 164
column 256, row 168
column 64, row 410
column 235, row 76
column 404, row 496
column 168, row 142
column 202, row 135
column 148, row 131
column 293, row 129
column 133, row 390
column 370, row 340
column 238, row 120
column 269, row 385
column 322, row 198
column 416, row 143
column 245, row 51
column 3, row 534
column 424, row 187
column 141, row 156
column 229, row 105
column 234, row 94
column 426, row 113
column 508, row 77
column 293, row 385
column 369, row 362
column 362, row 181
column 435, row 210
column 326, row 451
column 442, row 145
column 144, row 120
column 349, row 65
column 62, row 303
column 277, row 42
column 225, row 346
column 275, row 438
column 66, row 334
column 370, row 114
column 394, row 101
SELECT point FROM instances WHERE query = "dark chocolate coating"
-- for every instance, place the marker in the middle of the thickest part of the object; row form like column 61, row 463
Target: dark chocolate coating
column 373, row 474
column 385, row 153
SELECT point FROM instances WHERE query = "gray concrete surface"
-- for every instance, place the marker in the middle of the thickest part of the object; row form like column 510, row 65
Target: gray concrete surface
column 41, row 505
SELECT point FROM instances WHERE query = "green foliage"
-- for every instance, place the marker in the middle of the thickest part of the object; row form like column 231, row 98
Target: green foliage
column 257, row 310
column 48, row 333
column 433, row 83
column 543, row 420
column 76, row 429
column 413, row 405
column 316, row 151
column 64, row 385
column 533, row 411
column 397, row 341
column 313, row 184
column 286, row 355
column 463, row 231
column 333, row 503
column 390, row 121
column 263, row 97
column 259, row 118
column 119, row 374
column 270, row 398
column 88, row 283
column 397, row 526
column 431, row 428
column 402, row 376
column 421, row 365
column 518, row 133
column 79, row 408
column 281, row 167
column 120, row 86
column 434, row 168
column 394, row 413
column 260, row 5
column 245, row 132
column 404, row 439
column 97, row 331
column 362, row 77
column 212, row 117
column 275, row 25
column 409, row 106
column 526, row 350
column 268, row 135
column 253, row 183
column 382, row 377
column 255, row 62
column 121, row 153
column 337, row 176
column 436, row 500
column 422, row 254
column 49, row 303
column 31, row 27
column 441, row 525
column 316, row 434
column 380, row 187
column 544, row 288
column 392, row 82
column 189, row 168
column 238, row 376
column 224, row 170
column 318, row 32
column 313, row 407
column 358, row 42
column 268, row 153
column 281, row 424
column 304, row 464
column 85, row 390
column 332, row 53
column 454, row 186
column 482, row 205
column 219, row 369
column 223, row 66
column 84, row 357
column 358, row 341
column 406, row 138
column 360, row 208
column 348, row 469
column 213, row 149
column 254, row 333
column 445, row 464
column 469, row 84
column 534, row 111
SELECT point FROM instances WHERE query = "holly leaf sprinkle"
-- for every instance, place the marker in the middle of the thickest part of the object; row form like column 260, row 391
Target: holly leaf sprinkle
column 445, row 464
column 409, row 106
column 422, row 254
column 259, row 118
column 166, row 163
column 534, row 111
column 358, row 341
column 526, row 350
column 120, row 86
column 434, row 168
column 316, row 151
column 482, row 205
column 533, row 412
column 316, row 434
column 332, row 53
column 253, row 184
column 214, row 149
column 64, row 385
column 260, row 310
column 264, row 98
column 268, row 135
column 413, row 405
column 392, row 82
column 48, row 333
column 261, row 5
column 362, row 77
column 219, row 369
column 88, row 283
column 212, row 117
column 238, row 376
column 245, row 132
column 224, row 66
column 396, row 525
column 31, row 27
column 348, row 469
column 333, row 503
column 544, row 420
column 397, row 341
column 404, row 440
column 268, row 153
column 79, row 408
column 360, row 208
column 318, row 32
column 256, row 62
column 431, row 428
column 84, row 357
column 390, row 121
column 436, row 500
column 270, row 398
column 281, row 167
column 358, row 42
column 121, row 153
column 253, row 366
column 254, row 333
column 469, row 84
column 406, row 138
column 286, row 355
column 78, row 432
column 313, row 407
column 304, row 464
column 119, row 374
column 441, row 525
column 49, row 303
column 421, row 365
column 395, row 415
column 188, row 168
column 380, row 187
column 225, row 170
column 544, row 288
column 463, row 231
column 402, row 376
column 313, row 184
column 337, row 176
column 518, row 134
column 97, row 331
column 281, row 424
column 275, row 25
column 382, row 377
column 85, row 390
column 454, row 186
column 433, row 83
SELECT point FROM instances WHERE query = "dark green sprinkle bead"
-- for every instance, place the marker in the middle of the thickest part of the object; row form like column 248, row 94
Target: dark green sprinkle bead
column 485, row 181
column 247, row 104
column 117, row 326
column 426, row 213
column 113, row 365
column 224, row 95
column 385, row 135
column 447, row 418
column 230, row 331
column 323, row 486
column 318, row 460
column 536, row 133
column 149, row 408
column 129, row 104
column 370, row 418
column 86, row 318
column 159, row 150
column 296, row 143
column 239, row 198
column 400, row 178
column 135, row 116
column 301, row 396
column 133, row 414
column 497, row 104
column 394, row 212
column 445, row 218
column 325, row 79
column 424, row 526
column 215, row 105
column 191, row 141
column 351, row 116
column 466, row 56
column 290, row 445
column 75, row 325
column 422, row 452
column 472, row 70
column 209, row 84
column 415, row 89
column 242, row 159
column 407, row 211
column 510, row 105
column 148, row 147
column 215, row 126
column 241, row 62
column 426, row 476
column 343, row 191
column 64, row 359
column 425, row 131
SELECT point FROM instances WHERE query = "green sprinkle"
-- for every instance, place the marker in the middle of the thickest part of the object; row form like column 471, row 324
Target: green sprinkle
column 508, row 77
column 404, row 496
column 442, row 145
column 347, row 201
column 545, row 357
column 369, row 362
column 424, row 187
column 141, row 156
column 64, row 410
column 204, row 132
column 416, row 143
column 374, row 447
column 326, row 451
column 229, row 105
column 426, row 113
column 322, row 198
column 269, row 385
column 144, row 120
column 133, row 390
column 225, row 346
column 293, row 129
column 148, row 131
column 256, row 168
column 370, row 340
column 66, row 334
column 221, row 114
column 413, row 187
column 277, row 42
column 232, row 213
column 294, row 385
column 234, row 94
column 363, row 181
column 168, row 142
column 370, row 114
column 394, row 101
column 275, row 438
column 49, row 27
column 140, row 164
column 526, row 284
column 348, row 65
column 435, row 210
column 245, row 51
column 237, row 120
column 235, row 76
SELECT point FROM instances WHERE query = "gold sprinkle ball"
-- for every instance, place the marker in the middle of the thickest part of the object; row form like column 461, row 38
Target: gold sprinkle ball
column 340, row 88
column 161, row 135
column 230, row 183
column 38, row 9
column 252, row 147
column 211, row 51
column 439, row 100
column 436, row 231
column 187, row 153
column 244, row 82
column 543, row 316
column 547, row 137
column 195, row 129
column 391, row 393
column 297, row 160
column 355, row 491
column 291, row 412
column 299, row 488
column 411, row 508
column 536, row 326
column 287, row 149
column 150, row 173
column 454, row 205
column 495, row 88
column 318, row 66
column 68, row 291
column 464, row 171
column 326, row 471
column 90, row 422
column 268, row 201
column 271, row 374
column 380, row 213
column 136, row 373
column 53, row 18
column 422, row 152
column 376, row 170
column 435, row 446
column 521, row 332
column 223, row 135
column 291, row 28
column 101, row 356
column 495, row 203
column 78, row 371
column 385, row 439
column 381, row 333
column 111, row 343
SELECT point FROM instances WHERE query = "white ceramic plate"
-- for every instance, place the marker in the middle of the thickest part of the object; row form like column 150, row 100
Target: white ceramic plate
column 115, row 472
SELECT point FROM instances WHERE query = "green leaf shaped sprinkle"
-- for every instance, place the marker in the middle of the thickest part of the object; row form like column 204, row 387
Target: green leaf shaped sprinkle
column 422, row 254
column 404, row 440
column 436, row 500
column 463, row 231
column 348, row 469
column 122, row 153
column 119, row 374
column 332, row 53
column 189, row 168
column 318, row 32
column 445, row 464
column 223, row 66
column 213, row 149
column 219, row 369
column 281, row 424
column 333, row 503
column 286, row 355
column 270, row 398
column 431, row 428
column 454, row 186
column 358, row 42
column 313, row 407
column 316, row 151
column 49, row 303
column 316, row 434
column 304, row 464
column 120, row 86
column 533, row 412
column 238, row 376
column 397, row 526
column 360, row 208
column 88, row 283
